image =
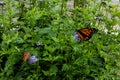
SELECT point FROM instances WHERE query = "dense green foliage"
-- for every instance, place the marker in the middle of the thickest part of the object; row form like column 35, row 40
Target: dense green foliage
column 23, row 23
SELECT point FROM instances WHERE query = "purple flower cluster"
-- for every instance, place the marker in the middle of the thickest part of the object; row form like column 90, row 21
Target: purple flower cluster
column 2, row 3
column 32, row 59
column 39, row 43
column 98, row 18
column 76, row 37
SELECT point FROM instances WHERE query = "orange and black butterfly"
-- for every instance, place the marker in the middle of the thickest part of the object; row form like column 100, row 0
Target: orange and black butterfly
column 84, row 33
column 26, row 56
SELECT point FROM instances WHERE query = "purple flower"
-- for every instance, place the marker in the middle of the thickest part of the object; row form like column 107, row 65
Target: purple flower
column 32, row 59
column 76, row 37
column 2, row 3
column 98, row 18
column 39, row 44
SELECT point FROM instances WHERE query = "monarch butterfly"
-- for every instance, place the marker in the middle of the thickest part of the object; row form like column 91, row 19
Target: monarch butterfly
column 26, row 55
column 85, row 33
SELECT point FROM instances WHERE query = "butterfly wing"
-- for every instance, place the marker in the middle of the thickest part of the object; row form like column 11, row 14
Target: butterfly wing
column 26, row 55
column 86, row 33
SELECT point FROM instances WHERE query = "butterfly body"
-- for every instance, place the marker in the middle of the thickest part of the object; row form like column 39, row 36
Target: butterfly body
column 86, row 33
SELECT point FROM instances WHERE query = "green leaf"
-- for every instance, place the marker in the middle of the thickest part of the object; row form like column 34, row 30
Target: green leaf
column 66, row 67
column 56, row 39
column 53, row 70
column 50, row 49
